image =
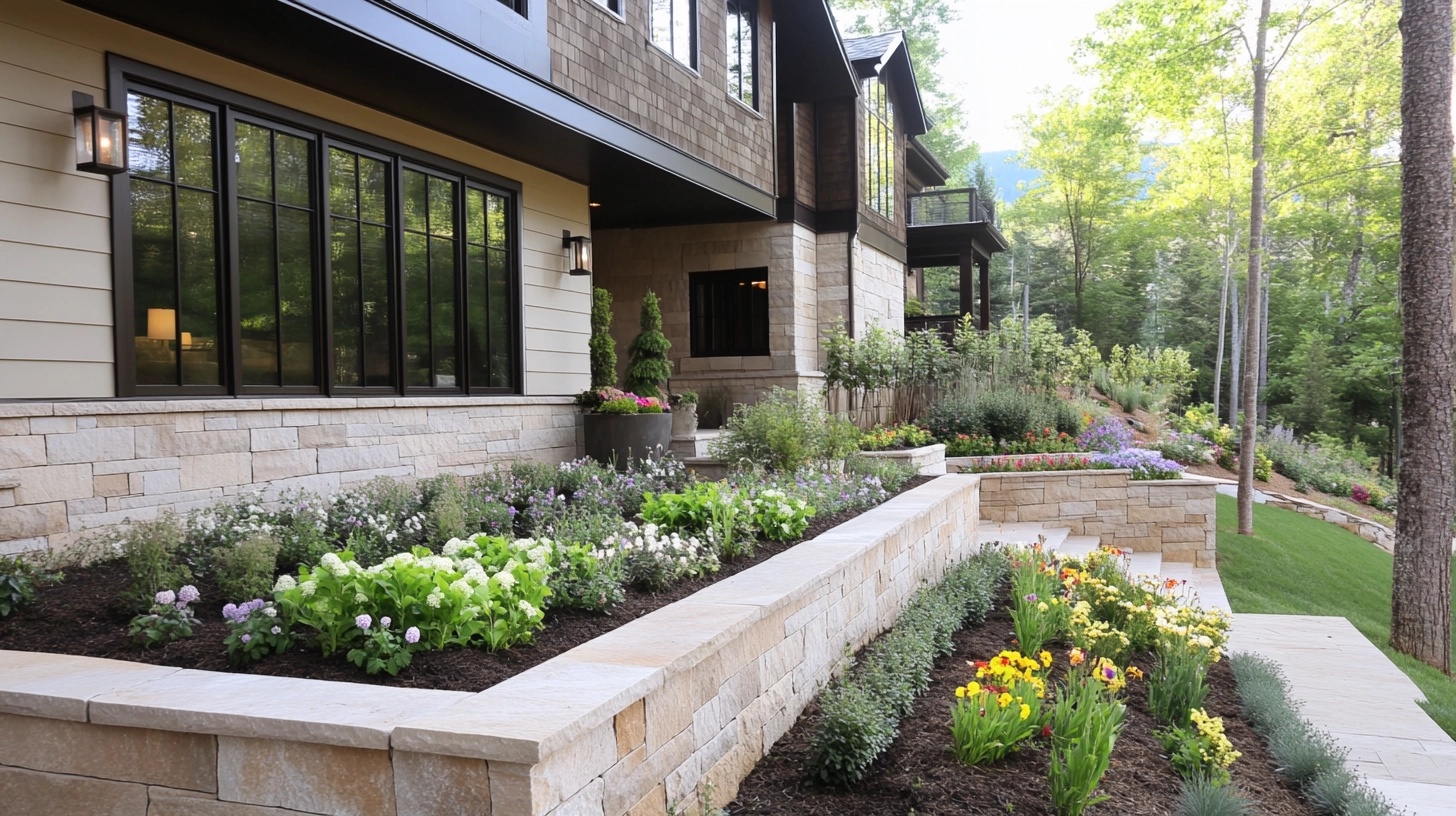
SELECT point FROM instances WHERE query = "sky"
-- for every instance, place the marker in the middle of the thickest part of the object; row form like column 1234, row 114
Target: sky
column 999, row 53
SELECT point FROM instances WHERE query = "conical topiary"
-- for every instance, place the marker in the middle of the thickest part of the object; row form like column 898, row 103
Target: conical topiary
column 650, row 367
column 601, row 347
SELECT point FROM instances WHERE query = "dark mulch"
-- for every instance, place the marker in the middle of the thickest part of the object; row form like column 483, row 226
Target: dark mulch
column 80, row 617
column 920, row 774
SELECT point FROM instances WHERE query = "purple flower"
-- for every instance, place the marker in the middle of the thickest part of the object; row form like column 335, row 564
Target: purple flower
column 384, row 622
column 188, row 594
column 363, row 622
column 412, row 635
column 165, row 598
column 1109, row 672
column 1031, row 598
column 246, row 638
column 276, row 630
column 231, row 613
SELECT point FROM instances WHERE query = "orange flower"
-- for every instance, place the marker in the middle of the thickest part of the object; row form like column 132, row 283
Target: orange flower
column 1076, row 657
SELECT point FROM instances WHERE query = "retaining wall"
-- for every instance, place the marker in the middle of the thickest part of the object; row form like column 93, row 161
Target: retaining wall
column 927, row 461
column 70, row 467
column 629, row 723
column 1174, row 517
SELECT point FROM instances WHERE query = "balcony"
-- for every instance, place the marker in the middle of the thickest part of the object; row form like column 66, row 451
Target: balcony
column 943, row 207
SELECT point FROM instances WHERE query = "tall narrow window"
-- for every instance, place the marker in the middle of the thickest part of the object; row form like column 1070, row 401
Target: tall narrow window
column 429, row 280
column 879, row 148
column 675, row 29
column 174, row 211
column 275, row 255
column 743, row 51
column 728, row 313
column 359, row 230
column 487, row 281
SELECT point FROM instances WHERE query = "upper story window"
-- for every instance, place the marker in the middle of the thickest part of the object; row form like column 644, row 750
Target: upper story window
column 675, row 29
column 879, row 148
column 614, row 6
column 518, row 6
column 268, row 257
column 728, row 313
column 743, row 51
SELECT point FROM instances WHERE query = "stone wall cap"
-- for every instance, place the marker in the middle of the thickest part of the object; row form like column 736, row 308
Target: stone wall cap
column 38, row 684
column 222, row 405
column 903, row 453
column 528, row 717
column 285, row 708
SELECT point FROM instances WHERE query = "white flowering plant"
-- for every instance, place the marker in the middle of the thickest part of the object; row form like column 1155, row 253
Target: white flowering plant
column 487, row 591
column 653, row 558
column 255, row 630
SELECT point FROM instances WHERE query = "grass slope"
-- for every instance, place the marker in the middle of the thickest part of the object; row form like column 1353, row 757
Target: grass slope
column 1296, row 565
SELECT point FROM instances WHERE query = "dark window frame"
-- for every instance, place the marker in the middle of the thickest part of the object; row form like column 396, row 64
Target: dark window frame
column 126, row 75
column 880, row 178
column 736, row 10
column 701, row 346
column 689, row 60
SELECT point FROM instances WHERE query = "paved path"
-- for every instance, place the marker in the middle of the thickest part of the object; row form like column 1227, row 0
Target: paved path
column 1348, row 687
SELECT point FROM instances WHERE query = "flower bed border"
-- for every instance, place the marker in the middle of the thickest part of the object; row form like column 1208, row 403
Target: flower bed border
column 928, row 460
column 646, row 715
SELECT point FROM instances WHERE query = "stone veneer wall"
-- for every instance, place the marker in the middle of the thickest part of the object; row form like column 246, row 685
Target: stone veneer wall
column 69, row 467
column 630, row 723
column 1175, row 518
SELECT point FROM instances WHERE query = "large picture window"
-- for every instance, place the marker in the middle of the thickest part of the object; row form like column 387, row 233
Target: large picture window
column 675, row 29
column 743, row 51
column 879, row 148
column 271, row 254
column 728, row 313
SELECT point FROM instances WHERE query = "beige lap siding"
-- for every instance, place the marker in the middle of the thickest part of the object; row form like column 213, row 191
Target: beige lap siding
column 55, row 241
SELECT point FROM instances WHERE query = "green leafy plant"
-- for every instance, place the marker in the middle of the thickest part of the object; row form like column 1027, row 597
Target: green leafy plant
column 987, row 724
column 890, row 474
column 1200, row 750
column 255, row 630
column 1178, row 682
column 780, row 517
column 170, row 618
column 1085, row 723
column 601, row 347
column 622, row 405
column 382, row 648
column 649, row 367
column 784, row 431
column 151, row 550
column 246, row 569
column 17, row 584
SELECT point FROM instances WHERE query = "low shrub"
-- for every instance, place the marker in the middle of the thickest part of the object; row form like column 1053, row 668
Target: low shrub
column 17, row 584
column 1109, row 434
column 1038, row 464
column 861, row 711
column 886, row 474
column 1144, row 464
column 896, row 437
column 246, row 569
column 784, row 431
column 1200, row 750
column 1199, row 797
column 778, row 516
column 1184, row 448
column 152, row 550
column 255, row 630
column 652, row 558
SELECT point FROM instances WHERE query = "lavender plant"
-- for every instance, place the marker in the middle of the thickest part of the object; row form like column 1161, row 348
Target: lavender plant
column 255, row 630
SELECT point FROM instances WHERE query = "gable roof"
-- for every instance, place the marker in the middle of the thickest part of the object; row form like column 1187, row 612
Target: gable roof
column 888, row 56
column 812, row 61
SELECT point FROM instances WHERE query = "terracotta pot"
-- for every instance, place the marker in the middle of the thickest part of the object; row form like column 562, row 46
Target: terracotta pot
column 616, row 439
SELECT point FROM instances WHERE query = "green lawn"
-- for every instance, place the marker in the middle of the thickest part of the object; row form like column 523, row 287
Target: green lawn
column 1295, row 565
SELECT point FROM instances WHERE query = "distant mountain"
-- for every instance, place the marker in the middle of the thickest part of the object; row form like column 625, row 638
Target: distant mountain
column 1010, row 176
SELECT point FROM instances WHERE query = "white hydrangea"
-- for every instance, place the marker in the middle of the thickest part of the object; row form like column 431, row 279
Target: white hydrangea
column 531, row 611
column 505, row 578
column 308, row 587
column 284, row 583
column 433, row 599
column 452, row 547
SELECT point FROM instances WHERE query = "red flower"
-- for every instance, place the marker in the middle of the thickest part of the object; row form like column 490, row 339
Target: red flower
column 1046, row 730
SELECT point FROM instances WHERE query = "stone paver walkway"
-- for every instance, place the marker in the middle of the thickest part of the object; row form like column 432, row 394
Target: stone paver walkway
column 1348, row 687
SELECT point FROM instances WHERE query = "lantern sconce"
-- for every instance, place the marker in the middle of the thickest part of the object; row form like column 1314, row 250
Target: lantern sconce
column 100, row 137
column 578, row 253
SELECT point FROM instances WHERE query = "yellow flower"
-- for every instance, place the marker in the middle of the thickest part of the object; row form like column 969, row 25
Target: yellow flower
column 1025, row 711
column 960, row 691
column 1046, row 659
column 1134, row 672
column 1003, row 700
column 973, row 688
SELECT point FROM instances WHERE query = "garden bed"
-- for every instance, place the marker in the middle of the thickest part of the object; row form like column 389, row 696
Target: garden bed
column 80, row 616
column 920, row 774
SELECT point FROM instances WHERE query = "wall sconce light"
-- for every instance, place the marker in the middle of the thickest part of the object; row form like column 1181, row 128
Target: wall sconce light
column 100, row 137
column 578, row 253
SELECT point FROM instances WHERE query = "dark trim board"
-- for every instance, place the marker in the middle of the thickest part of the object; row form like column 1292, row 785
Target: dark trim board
column 871, row 235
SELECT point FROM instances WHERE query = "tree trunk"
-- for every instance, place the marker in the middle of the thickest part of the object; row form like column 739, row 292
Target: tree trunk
column 1420, row 623
column 1252, row 311
column 1236, row 358
column 1223, row 297
column 1264, row 357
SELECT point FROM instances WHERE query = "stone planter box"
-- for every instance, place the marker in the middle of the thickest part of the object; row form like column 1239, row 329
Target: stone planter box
column 632, row 722
column 927, row 461
column 964, row 464
column 1175, row 517
column 616, row 439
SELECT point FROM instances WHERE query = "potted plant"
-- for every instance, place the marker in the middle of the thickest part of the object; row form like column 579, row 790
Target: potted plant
column 684, row 413
column 624, row 425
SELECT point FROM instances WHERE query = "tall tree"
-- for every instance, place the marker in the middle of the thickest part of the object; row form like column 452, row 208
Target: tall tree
column 1421, row 596
column 1090, row 163
column 1253, row 320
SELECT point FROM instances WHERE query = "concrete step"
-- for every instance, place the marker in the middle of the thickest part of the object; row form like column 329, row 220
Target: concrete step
column 1210, row 589
column 1145, row 563
column 1023, row 533
column 1177, row 571
column 1079, row 545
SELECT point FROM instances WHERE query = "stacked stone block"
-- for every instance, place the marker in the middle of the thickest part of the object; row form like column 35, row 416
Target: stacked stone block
column 1175, row 518
column 68, row 468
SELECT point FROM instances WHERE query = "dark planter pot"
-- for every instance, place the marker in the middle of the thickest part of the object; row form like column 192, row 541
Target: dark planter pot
column 616, row 439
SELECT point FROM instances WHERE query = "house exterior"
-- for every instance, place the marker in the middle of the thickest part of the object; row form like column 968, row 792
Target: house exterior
column 338, row 247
